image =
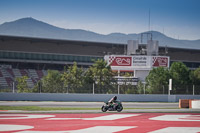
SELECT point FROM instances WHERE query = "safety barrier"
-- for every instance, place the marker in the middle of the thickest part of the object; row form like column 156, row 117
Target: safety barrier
column 195, row 104
column 189, row 103
column 92, row 97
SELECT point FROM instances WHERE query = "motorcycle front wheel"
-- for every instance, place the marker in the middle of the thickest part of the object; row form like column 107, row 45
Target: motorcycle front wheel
column 103, row 108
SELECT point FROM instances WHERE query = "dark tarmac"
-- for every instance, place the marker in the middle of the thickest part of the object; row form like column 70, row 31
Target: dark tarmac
column 128, row 107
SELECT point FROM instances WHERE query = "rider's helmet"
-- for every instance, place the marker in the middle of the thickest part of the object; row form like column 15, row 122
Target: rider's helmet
column 115, row 98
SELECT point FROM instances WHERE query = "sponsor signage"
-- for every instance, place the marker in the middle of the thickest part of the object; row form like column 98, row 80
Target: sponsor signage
column 140, row 60
column 137, row 61
column 120, row 61
column 125, row 80
column 160, row 61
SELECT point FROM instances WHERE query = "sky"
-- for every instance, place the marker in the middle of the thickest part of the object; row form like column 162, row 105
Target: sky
column 179, row 19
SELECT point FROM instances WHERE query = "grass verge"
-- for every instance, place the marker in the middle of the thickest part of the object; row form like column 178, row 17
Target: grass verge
column 37, row 108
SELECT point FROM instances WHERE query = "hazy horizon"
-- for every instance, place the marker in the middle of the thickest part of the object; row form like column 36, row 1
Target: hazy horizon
column 178, row 19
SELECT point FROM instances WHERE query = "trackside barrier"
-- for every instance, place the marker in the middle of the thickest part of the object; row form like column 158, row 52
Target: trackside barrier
column 195, row 104
column 189, row 103
column 92, row 97
column 184, row 103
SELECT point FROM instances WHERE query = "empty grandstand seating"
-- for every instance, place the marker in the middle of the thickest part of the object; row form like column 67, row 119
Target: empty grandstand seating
column 9, row 81
column 23, row 72
column 9, row 75
column 33, row 73
column 3, row 82
column 9, row 70
column 1, row 75
column 17, row 73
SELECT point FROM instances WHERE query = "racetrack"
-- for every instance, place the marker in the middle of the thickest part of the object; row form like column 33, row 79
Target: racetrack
column 101, row 123
column 88, row 104
column 129, row 107
column 94, row 121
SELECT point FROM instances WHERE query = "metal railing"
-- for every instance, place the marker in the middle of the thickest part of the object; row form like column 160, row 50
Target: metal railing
column 113, row 89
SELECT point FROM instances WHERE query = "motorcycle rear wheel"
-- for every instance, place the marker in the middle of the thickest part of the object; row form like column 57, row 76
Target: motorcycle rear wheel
column 119, row 109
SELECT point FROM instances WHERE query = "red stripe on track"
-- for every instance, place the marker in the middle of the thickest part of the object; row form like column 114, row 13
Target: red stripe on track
column 135, row 122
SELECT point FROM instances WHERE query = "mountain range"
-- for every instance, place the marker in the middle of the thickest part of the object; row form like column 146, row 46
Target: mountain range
column 30, row 27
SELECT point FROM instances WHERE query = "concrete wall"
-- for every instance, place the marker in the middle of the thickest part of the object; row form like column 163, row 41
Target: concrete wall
column 92, row 97
column 195, row 104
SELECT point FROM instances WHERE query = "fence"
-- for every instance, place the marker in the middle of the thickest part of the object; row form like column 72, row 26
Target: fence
column 112, row 89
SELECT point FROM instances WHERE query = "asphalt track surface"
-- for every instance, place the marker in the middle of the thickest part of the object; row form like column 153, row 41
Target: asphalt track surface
column 159, row 118
column 88, row 104
column 129, row 107
column 101, row 123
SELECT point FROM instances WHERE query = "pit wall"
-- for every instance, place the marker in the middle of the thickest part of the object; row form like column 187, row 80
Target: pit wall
column 92, row 97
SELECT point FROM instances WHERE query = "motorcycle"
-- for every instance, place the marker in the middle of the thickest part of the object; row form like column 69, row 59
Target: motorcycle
column 112, row 107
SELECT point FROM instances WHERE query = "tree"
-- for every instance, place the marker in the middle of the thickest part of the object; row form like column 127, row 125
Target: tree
column 22, row 85
column 101, row 74
column 197, row 80
column 73, row 78
column 52, row 82
column 157, row 78
column 140, row 87
column 127, row 87
column 196, row 76
column 37, row 87
column 180, row 77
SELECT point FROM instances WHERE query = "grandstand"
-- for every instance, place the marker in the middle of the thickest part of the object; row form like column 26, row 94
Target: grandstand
column 8, row 75
column 20, row 56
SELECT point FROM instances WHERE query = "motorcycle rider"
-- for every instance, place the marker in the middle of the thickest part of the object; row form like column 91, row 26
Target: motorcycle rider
column 113, row 102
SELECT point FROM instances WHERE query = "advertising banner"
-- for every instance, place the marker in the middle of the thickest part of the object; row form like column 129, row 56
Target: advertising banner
column 158, row 61
column 120, row 61
column 136, row 62
column 140, row 61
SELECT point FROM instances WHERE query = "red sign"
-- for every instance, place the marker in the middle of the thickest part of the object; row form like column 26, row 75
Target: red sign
column 120, row 61
column 160, row 62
